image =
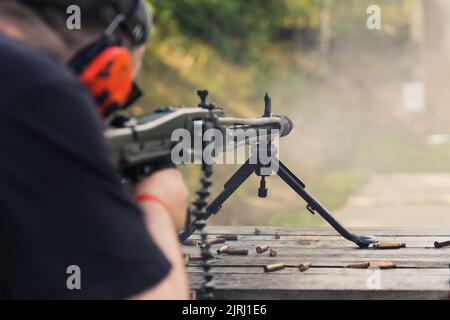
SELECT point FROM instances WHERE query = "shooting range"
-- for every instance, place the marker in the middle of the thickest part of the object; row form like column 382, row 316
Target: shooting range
column 225, row 150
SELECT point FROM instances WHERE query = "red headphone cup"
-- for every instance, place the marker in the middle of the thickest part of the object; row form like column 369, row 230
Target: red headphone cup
column 109, row 78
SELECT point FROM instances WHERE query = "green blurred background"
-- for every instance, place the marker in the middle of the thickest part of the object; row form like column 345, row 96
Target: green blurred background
column 339, row 81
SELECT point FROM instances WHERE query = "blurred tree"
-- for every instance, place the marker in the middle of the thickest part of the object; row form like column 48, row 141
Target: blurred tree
column 325, row 28
column 417, row 23
column 235, row 28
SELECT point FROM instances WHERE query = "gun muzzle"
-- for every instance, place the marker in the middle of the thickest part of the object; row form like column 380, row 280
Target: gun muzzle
column 286, row 126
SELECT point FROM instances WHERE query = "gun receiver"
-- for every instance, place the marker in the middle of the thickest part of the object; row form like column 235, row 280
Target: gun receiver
column 142, row 145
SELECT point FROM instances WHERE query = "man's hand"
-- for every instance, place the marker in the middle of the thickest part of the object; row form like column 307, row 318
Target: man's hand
column 168, row 185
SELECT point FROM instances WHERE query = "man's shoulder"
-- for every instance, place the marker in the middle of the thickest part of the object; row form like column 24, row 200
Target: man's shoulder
column 31, row 80
column 23, row 67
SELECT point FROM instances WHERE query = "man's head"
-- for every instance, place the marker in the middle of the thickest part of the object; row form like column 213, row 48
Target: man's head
column 43, row 24
column 106, row 51
column 97, row 15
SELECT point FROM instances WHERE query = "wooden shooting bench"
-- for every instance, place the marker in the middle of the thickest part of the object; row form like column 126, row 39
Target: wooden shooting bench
column 421, row 272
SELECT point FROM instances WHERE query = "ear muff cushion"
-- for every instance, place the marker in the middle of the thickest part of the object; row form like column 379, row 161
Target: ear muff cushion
column 109, row 77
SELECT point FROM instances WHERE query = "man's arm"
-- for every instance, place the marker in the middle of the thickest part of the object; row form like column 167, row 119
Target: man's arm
column 175, row 285
column 163, row 222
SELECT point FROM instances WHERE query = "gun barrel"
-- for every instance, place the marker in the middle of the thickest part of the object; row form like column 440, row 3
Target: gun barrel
column 281, row 123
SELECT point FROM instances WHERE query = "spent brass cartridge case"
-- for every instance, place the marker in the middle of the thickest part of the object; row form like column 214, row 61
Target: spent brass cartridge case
column 228, row 237
column 198, row 257
column 215, row 241
column 262, row 249
column 257, row 231
column 382, row 265
column 223, row 249
column 237, row 252
column 274, row 267
column 304, row 266
column 389, row 245
column 362, row 265
column 277, row 236
column 195, row 257
column 441, row 244
column 190, row 242
column 273, row 252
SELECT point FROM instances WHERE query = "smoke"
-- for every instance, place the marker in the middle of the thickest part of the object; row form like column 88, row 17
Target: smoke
column 364, row 103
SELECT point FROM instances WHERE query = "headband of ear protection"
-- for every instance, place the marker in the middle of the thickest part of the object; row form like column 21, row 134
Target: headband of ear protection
column 138, row 24
column 106, row 67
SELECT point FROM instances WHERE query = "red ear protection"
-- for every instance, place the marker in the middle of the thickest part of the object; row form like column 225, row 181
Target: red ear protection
column 106, row 69
column 109, row 78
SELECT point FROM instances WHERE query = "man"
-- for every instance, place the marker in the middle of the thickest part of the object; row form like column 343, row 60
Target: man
column 68, row 227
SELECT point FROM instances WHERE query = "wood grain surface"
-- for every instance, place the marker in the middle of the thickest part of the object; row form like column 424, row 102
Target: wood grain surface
column 422, row 272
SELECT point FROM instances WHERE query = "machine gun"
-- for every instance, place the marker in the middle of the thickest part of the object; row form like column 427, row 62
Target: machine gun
column 142, row 145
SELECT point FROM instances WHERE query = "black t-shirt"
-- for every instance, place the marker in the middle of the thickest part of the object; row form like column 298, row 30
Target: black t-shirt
column 61, row 201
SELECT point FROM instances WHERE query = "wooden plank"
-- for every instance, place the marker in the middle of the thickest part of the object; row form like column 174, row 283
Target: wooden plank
column 328, row 241
column 322, row 262
column 281, row 294
column 413, row 258
column 390, row 232
column 293, row 251
column 314, row 271
column 393, row 284
column 426, row 246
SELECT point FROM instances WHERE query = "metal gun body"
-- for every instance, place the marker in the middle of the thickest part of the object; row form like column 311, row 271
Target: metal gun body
column 139, row 146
